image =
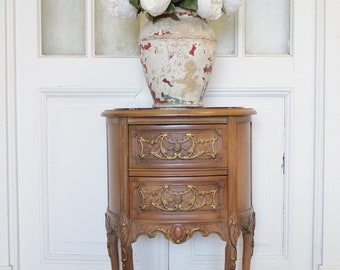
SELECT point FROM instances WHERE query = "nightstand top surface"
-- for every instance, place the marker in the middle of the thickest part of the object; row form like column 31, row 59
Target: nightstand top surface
column 179, row 112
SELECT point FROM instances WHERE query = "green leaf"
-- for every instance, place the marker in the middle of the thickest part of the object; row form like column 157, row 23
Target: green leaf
column 171, row 8
column 136, row 4
column 188, row 4
column 174, row 16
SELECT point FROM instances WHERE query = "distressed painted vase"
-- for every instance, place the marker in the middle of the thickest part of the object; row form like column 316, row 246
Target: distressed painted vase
column 177, row 58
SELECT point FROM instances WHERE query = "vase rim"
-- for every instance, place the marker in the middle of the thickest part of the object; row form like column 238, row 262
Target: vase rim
column 187, row 12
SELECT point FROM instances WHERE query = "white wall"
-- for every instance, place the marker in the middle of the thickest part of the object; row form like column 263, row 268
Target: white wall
column 331, row 235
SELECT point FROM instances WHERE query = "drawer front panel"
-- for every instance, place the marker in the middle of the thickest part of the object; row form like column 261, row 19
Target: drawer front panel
column 172, row 198
column 187, row 146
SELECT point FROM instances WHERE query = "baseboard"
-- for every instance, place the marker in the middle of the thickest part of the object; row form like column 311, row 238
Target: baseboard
column 326, row 267
column 6, row 268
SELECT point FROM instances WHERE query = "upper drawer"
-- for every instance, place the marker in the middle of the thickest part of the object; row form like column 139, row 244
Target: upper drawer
column 177, row 146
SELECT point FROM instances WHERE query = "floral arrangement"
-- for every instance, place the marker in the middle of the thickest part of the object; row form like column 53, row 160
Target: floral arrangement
column 155, row 9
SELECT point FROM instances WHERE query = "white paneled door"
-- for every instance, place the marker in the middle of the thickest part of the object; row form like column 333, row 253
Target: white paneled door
column 72, row 61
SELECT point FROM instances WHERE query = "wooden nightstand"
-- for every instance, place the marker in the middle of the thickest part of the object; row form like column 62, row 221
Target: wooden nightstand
column 179, row 171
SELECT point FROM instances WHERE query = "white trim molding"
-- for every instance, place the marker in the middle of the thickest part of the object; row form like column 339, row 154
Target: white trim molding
column 3, row 143
column 329, row 267
column 9, row 258
column 319, row 134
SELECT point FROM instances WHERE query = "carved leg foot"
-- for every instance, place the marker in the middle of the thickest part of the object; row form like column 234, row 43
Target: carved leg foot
column 231, row 250
column 112, row 243
column 127, row 257
column 248, row 228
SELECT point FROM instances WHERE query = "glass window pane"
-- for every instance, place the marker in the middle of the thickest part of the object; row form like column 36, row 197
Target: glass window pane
column 224, row 29
column 114, row 37
column 267, row 27
column 63, row 27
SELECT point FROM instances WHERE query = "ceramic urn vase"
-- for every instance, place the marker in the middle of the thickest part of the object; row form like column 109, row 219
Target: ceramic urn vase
column 177, row 58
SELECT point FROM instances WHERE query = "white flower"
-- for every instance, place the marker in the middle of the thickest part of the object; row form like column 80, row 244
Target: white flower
column 231, row 6
column 155, row 7
column 207, row 9
column 210, row 10
column 122, row 9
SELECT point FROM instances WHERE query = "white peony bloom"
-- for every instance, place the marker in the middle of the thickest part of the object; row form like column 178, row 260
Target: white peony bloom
column 210, row 10
column 155, row 7
column 231, row 6
column 122, row 9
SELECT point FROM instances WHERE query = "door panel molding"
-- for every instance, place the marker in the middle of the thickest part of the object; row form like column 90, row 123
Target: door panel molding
column 69, row 123
column 61, row 110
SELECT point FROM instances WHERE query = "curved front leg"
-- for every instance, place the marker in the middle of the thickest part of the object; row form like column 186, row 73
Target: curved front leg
column 127, row 257
column 126, row 246
column 112, row 242
column 112, row 247
column 231, row 248
column 248, row 228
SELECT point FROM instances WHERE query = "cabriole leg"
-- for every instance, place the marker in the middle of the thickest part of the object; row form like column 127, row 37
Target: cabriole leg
column 112, row 242
column 126, row 247
column 248, row 240
column 231, row 247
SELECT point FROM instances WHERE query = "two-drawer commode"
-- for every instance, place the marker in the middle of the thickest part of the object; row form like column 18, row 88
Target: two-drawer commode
column 179, row 171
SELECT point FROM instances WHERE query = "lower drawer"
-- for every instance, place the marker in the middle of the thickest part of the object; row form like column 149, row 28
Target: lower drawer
column 178, row 198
